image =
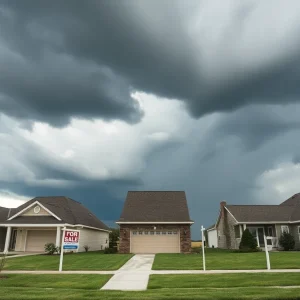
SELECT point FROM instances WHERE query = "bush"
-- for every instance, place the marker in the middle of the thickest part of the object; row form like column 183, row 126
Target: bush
column 110, row 251
column 287, row 241
column 248, row 242
column 86, row 248
column 50, row 248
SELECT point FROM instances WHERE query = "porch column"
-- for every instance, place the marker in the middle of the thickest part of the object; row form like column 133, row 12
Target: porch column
column 58, row 236
column 244, row 227
column 7, row 239
column 241, row 230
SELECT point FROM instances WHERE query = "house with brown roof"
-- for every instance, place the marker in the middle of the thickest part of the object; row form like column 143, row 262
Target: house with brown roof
column 41, row 220
column 262, row 220
column 155, row 222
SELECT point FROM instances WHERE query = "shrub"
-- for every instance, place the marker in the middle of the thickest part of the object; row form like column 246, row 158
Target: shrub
column 50, row 248
column 110, row 251
column 287, row 241
column 86, row 248
column 248, row 242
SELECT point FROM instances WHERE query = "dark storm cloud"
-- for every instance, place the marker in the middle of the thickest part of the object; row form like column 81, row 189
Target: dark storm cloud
column 82, row 58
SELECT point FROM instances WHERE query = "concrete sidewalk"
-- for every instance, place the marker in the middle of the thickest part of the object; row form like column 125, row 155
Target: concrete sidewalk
column 133, row 276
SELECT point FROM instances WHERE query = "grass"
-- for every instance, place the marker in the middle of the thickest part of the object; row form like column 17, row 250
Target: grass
column 80, row 287
column 163, row 294
column 217, row 259
column 78, row 261
column 57, row 281
column 223, row 280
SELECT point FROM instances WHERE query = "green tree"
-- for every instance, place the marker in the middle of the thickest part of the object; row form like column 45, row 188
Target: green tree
column 114, row 237
column 287, row 241
column 248, row 241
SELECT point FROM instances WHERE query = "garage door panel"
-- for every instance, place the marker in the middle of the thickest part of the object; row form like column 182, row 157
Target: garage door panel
column 149, row 243
column 36, row 239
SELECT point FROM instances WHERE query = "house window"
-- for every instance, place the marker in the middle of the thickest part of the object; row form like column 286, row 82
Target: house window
column 163, row 233
column 270, row 231
column 134, row 232
column 169, row 232
column 285, row 228
column 175, row 232
column 151, row 232
column 146, row 232
column 140, row 232
column 158, row 232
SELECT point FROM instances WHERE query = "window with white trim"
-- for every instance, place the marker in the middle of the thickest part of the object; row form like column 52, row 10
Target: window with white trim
column 164, row 233
column 175, row 232
column 169, row 232
column 285, row 228
column 270, row 231
column 151, row 232
column 158, row 232
column 146, row 232
column 140, row 232
column 134, row 232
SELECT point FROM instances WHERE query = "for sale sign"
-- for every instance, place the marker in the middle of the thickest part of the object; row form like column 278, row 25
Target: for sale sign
column 71, row 239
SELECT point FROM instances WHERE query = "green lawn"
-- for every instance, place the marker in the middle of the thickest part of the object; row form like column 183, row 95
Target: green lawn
column 163, row 294
column 226, row 260
column 78, row 261
column 223, row 280
column 57, row 281
column 80, row 287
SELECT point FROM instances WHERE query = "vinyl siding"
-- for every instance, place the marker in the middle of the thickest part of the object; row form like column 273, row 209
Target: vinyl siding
column 30, row 212
column 212, row 238
column 95, row 239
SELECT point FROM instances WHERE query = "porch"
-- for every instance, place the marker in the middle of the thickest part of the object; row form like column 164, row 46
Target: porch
column 259, row 231
column 30, row 239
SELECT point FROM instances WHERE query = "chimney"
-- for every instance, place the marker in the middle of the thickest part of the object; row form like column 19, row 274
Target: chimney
column 222, row 205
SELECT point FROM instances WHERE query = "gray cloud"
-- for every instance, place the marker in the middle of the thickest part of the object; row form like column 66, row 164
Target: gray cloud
column 80, row 59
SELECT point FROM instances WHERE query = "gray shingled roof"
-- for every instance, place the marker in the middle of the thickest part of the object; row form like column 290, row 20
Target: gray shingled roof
column 3, row 214
column 155, row 206
column 68, row 210
column 287, row 211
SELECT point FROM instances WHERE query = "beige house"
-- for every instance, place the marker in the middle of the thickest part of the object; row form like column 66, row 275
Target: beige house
column 30, row 226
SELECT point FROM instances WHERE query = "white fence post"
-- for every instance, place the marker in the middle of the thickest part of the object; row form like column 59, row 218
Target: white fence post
column 203, row 251
column 267, row 253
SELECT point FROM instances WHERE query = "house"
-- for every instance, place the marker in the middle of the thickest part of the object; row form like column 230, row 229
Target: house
column 41, row 220
column 268, row 220
column 212, row 236
column 155, row 222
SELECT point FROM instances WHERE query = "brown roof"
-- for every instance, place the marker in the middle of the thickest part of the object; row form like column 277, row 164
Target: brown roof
column 67, row 209
column 294, row 200
column 261, row 213
column 155, row 206
column 34, row 220
column 3, row 213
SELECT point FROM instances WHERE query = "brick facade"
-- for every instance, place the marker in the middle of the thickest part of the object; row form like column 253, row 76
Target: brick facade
column 185, row 235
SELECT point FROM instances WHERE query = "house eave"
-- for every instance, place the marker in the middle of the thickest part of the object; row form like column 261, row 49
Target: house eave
column 154, row 222
column 269, row 222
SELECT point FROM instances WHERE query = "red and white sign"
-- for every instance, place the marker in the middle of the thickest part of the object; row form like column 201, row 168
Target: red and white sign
column 71, row 239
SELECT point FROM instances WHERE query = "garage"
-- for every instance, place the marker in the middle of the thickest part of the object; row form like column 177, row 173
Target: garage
column 36, row 239
column 155, row 241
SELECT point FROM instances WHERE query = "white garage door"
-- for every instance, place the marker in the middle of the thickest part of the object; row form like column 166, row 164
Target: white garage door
column 36, row 239
column 155, row 242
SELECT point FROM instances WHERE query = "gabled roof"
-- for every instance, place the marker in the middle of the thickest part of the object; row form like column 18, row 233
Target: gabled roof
column 155, row 206
column 3, row 213
column 287, row 211
column 261, row 213
column 66, row 209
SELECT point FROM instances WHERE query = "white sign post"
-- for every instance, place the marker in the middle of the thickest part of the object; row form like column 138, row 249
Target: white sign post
column 70, row 241
column 267, row 253
column 203, row 252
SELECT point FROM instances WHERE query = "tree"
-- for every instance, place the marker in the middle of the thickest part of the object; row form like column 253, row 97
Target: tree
column 114, row 237
column 248, row 241
column 287, row 241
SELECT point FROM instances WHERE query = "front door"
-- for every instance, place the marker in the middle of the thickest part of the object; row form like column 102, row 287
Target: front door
column 260, row 235
column 13, row 240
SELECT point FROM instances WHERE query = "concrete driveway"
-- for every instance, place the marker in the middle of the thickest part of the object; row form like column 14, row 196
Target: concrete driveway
column 134, row 275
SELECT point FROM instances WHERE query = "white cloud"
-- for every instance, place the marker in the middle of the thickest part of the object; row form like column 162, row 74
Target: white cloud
column 11, row 200
column 278, row 184
column 93, row 149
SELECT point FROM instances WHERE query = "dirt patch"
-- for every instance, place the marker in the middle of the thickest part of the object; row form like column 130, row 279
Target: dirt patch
column 2, row 277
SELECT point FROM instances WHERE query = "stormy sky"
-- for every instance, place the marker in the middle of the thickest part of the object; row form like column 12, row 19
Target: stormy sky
column 101, row 97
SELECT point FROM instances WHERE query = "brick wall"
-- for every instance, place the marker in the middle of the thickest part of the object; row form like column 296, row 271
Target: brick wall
column 225, row 229
column 185, row 235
